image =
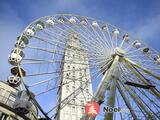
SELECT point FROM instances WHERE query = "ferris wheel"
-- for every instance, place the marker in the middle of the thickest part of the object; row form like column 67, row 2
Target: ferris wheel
column 124, row 71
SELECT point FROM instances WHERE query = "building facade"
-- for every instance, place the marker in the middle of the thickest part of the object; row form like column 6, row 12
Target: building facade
column 8, row 97
column 74, row 73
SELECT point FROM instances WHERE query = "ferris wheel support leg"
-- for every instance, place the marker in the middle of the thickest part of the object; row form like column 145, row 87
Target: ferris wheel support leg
column 137, row 73
column 111, row 100
column 21, row 87
column 104, row 83
column 144, row 69
column 126, row 100
column 138, row 101
column 32, row 97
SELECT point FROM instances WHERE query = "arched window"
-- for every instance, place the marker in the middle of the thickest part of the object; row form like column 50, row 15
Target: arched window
column 82, row 110
column 67, row 87
column 87, row 90
column 73, row 109
column 68, row 67
column 82, row 102
column 73, row 101
column 73, row 88
column 67, row 75
column 3, row 116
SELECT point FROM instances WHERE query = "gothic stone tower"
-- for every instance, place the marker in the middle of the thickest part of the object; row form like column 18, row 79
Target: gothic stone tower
column 75, row 62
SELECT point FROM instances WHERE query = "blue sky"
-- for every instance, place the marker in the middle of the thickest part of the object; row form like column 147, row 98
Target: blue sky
column 139, row 17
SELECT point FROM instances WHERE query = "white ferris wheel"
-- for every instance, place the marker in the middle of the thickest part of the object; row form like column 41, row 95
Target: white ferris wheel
column 124, row 71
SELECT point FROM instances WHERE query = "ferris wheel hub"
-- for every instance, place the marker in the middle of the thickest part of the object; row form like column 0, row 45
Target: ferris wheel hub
column 120, row 52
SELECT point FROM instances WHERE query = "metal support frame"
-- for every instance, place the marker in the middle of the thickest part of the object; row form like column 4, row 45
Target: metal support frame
column 126, row 100
column 144, row 69
column 138, row 74
column 110, row 74
column 32, row 97
column 138, row 102
column 111, row 100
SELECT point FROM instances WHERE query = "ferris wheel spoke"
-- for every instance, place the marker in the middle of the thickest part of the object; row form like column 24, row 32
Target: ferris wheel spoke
column 44, row 81
column 58, row 50
column 90, row 33
column 98, row 38
column 145, row 104
column 138, row 101
column 72, row 29
column 116, row 40
column 82, row 91
column 144, row 80
column 95, row 60
column 137, row 55
column 54, row 72
column 106, row 68
column 130, row 46
column 103, row 85
column 136, row 107
column 54, row 61
column 113, row 40
column 134, row 51
column 64, row 37
column 72, row 80
column 143, row 69
column 100, row 72
column 87, row 33
column 126, row 100
column 145, row 61
column 51, row 89
column 146, row 58
column 38, row 61
column 106, row 40
column 140, row 79
column 124, row 70
column 66, row 100
column 110, row 39
column 95, row 39
column 30, row 94
column 149, row 66
column 137, row 74
column 119, row 106
column 151, row 101
column 41, row 82
column 122, row 43
column 72, row 94
column 91, row 46
column 45, row 40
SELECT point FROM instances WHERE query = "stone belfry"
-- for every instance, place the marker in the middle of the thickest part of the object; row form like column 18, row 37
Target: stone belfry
column 75, row 62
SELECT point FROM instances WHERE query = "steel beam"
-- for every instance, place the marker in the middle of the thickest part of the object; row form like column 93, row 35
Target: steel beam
column 104, row 84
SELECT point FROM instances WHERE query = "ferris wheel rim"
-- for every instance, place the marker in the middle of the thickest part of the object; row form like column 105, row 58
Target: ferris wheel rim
column 47, row 17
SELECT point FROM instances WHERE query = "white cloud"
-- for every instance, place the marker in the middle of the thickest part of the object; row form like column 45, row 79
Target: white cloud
column 149, row 28
column 148, row 32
